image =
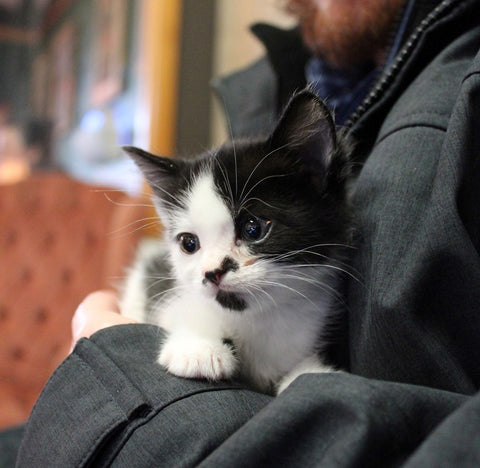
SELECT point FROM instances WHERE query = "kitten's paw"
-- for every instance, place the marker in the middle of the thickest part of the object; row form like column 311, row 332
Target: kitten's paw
column 310, row 365
column 198, row 358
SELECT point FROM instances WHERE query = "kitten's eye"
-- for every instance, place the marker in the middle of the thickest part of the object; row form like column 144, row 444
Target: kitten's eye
column 255, row 229
column 189, row 243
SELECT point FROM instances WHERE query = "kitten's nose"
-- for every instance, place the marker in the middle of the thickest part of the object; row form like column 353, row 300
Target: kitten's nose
column 215, row 276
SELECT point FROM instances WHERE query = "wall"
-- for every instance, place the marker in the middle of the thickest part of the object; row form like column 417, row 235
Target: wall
column 215, row 40
column 88, row 131
column 196, row 68
column 235, row 46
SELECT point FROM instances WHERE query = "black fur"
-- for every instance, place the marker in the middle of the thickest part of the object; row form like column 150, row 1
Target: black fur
column 231, row 301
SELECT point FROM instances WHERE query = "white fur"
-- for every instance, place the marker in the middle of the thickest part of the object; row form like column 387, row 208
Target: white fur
column 133, row 297
column 208, row 218
column 310, row 365
column 274, row 337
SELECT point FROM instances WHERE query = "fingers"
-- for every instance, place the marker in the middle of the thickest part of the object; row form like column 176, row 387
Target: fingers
column 101, row 300
column 98, row 310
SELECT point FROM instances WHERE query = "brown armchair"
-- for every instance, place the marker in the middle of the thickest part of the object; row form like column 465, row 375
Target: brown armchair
column 59, row 240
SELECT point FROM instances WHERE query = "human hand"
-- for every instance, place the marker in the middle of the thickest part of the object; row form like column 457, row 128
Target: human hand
column 98, row 310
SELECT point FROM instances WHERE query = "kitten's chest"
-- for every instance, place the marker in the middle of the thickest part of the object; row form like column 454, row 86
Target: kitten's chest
column 272, row 342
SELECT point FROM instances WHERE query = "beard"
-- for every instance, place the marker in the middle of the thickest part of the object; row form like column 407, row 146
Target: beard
column 346, row 33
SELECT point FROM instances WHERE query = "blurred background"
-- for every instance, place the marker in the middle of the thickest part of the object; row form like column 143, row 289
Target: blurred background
column 80, row 78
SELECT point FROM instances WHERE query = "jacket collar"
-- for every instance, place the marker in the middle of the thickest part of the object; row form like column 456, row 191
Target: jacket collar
column 431, row 25
column 287, row 55
column 432, row 29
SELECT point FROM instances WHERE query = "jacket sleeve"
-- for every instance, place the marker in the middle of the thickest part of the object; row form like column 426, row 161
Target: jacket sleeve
column 110, row 404
column 342, row 420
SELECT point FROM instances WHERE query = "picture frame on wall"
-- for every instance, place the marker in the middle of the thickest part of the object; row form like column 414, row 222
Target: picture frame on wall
column 38, row 85
column 62, row 79
column 109, row 55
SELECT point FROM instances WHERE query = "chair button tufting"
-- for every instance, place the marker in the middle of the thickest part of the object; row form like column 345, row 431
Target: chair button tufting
column 90, row 239
column 66, row 276
column 40, row 315
column 48, row 240
column 17, row 353
column 11, row 238
column 53, row 250
column 26, row 275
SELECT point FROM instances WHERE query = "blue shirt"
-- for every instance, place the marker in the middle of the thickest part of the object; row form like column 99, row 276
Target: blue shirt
column 344, row 91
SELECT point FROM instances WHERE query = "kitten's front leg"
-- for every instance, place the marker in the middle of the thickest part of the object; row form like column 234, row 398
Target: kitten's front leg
column 310, row 365
column 188, row 355
column 194, row 346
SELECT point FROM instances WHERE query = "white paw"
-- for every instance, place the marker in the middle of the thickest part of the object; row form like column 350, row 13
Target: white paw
column 197, row 358
column 310, row 365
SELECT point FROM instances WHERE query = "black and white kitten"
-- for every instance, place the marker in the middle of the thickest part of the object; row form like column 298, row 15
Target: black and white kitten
column 255, row 237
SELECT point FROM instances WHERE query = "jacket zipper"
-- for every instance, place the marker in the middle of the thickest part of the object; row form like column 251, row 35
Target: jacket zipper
column 387, row 77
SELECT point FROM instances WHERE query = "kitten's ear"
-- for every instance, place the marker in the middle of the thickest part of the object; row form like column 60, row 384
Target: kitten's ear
column 160, row 172
column 154, row 168
column 307, row 127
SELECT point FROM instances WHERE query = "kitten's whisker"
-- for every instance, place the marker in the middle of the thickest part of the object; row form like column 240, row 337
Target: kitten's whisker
column 159, row 280
column 331, row 291
column 257, row 166
column 158, row 187
column 345, row 271
column 254, row 295
column 164, row 295
column 130, row 205
column 338, row 267
column 112, row 190
column 118, row 235
column 225, row 178
column 289, row 288
column 308, row 249
column 140, row 220
column 317, row 282
column 274, row 176
column 305, row 279
column 269, row 296
column 348, row 269
column 232, row 139
column 260, row 201
column 315, row 254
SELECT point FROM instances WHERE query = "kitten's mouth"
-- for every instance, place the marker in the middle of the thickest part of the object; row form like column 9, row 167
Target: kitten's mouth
column 231, row 301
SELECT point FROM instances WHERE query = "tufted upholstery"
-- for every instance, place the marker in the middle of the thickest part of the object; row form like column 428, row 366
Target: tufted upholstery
column 59, row 240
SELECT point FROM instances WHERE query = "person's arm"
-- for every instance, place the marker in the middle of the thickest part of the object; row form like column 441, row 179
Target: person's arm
column 111, row 404
column 98, row 310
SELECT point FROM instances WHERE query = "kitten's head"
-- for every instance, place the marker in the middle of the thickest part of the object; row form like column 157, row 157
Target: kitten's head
column 248, row 217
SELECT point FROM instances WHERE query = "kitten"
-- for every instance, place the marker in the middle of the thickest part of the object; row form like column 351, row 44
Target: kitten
column 255, row 236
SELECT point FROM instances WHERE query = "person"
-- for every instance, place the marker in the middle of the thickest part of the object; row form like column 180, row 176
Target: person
column 14, row 160
column 412, row 71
